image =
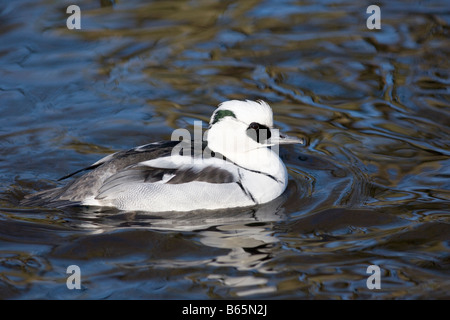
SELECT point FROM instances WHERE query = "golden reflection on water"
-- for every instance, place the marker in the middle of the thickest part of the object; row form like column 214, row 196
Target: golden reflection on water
column 371, row 186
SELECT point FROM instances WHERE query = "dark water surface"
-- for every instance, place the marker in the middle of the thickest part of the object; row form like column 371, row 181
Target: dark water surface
column 371, row 187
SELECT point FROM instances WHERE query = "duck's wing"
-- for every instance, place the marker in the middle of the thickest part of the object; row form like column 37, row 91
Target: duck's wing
column 151, row 176
column 88, row 184
column 174, row 172
column 187, row 179
column 124, row 158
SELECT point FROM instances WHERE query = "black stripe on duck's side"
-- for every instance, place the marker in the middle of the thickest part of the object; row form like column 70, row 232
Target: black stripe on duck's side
column 208, row 174
column 246, row 192
column 148, row 174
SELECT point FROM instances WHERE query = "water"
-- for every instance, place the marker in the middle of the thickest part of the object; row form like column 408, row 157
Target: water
column 371, row 186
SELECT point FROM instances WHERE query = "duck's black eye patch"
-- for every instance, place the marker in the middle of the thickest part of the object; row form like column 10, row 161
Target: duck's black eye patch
column 222, row 114
column 258, row 132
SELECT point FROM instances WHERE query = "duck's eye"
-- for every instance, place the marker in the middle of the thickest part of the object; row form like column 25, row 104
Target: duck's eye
column 258, row 132
column 254, row 125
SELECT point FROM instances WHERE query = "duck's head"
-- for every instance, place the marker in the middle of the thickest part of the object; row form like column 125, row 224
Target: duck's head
column 238, row 127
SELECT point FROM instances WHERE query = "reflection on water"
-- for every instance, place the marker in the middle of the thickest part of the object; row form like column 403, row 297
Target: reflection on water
column 370, row 187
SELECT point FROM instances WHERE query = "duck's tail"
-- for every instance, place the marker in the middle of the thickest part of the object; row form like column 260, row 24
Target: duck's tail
column 47, row 198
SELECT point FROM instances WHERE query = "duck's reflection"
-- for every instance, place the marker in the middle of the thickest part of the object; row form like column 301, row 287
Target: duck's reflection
column 246, row 235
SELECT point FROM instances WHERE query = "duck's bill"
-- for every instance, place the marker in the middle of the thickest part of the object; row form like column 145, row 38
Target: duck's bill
column 282, row 138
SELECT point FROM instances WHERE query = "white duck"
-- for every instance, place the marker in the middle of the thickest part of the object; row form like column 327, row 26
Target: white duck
column 234, row 167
